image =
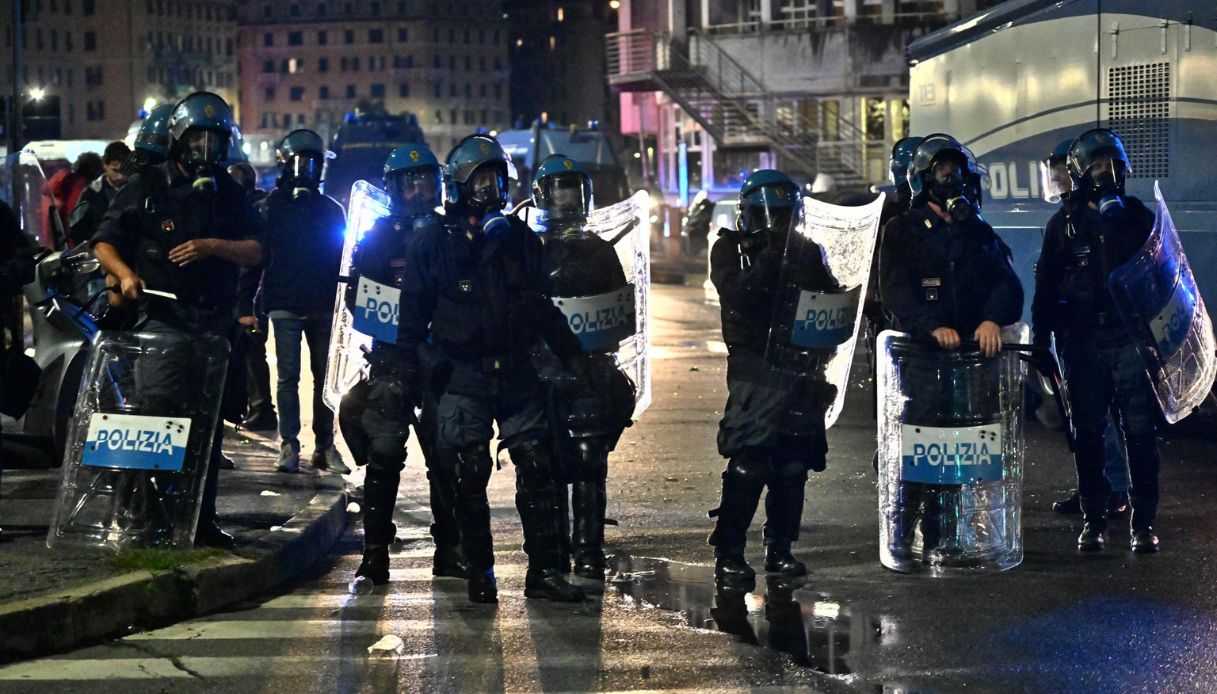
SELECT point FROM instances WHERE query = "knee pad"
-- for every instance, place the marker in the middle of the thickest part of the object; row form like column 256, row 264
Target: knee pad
column 534, row 465
column 790, row 472
column 747, row 470
column 473, row 467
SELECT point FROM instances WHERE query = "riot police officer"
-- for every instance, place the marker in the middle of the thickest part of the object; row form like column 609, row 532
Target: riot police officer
column 189, row 238
column 476, row 289
column 945, row 275
column 1083, row 243
column 375, row 416
column 587, row 416
column 746, row 266
column 1057, row 186
column 303, row 234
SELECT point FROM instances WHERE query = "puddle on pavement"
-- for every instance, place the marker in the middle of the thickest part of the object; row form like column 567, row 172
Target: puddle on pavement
column 782, row 614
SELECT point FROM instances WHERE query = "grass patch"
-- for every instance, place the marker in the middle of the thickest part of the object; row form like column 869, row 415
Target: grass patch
column 159, row 559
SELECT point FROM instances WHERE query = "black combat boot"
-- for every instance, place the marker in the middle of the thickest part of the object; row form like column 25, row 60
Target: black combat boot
column 588, row 501
column 482, row 587
column 1094, row 532
column 535, row 502
column 1069, row 506
column 1144, row 512
column 379, row 498
column 743, row 481
column 783, row 515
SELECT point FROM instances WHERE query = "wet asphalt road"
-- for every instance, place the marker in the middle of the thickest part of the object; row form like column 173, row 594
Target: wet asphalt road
column 1058, row 622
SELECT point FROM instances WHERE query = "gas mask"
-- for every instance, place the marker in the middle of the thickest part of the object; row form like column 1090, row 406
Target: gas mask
column 302, row 172
column 1104, row 186
column 948, row 188
column 484, row 192
column 201, row 153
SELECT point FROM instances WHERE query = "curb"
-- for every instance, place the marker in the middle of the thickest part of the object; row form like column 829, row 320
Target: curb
column 140, row 600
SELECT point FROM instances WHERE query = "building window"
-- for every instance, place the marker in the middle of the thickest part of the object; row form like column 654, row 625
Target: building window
column 482, row 91
column 323, row 92
column 268, row 39
column 482, row 64
column 452, row 89
column 93, row 76
column 268, row 66
column 468, row 91
column 294, row 10
column 295, row 38
column 355, row 64
column 350, row 91
column 439, row 89
column 403, row 35
column 439, row 116
column 323, row 37
column 435, row 61
column 323, row 65
column 88, row 6
column 297, row 94
column 498, row 63
column 405, row 90
column 378, row 91
column 268, row 94
column 452, row 62
column 348, row 36
column 91, row 44
column 376, row 35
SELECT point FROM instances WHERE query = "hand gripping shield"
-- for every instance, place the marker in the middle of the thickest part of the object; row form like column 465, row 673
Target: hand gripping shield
column 1157, row 298
column 139, row 441
column 617, row 322
column 818, row 306
column 950, row 454
column 376, row 304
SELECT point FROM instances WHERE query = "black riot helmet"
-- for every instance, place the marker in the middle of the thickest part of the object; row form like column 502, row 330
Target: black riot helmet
column 898, row 165
column 563, row 190
column 480, row 171
column 768, row 203
column 301, row 155
column 945, row 172
column 1099, row 166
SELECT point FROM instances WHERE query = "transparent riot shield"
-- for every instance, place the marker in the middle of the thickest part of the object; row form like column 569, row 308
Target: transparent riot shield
column 618, row 321
column 1157, row 298
column 818, row 306
column 376, row 304
column 23, row 188
column 139, row 441
column 950, row 455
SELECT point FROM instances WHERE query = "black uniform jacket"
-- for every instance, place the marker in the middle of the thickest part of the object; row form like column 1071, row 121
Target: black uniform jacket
column 481, row 299
column 303, row 236
column 1081, row 248
column 936, row 274
column 145, row 231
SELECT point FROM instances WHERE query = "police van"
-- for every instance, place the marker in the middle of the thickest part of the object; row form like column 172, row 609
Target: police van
column 1013, row 82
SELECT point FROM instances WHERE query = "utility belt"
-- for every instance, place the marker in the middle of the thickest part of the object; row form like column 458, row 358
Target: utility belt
column 498, row 366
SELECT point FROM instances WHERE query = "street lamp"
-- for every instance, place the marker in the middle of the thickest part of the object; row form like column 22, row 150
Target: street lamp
column 36, row 93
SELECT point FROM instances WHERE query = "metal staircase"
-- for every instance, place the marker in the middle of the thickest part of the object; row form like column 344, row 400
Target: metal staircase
column 730, row 103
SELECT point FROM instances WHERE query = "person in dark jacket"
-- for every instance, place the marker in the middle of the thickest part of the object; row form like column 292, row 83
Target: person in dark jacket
column 16, row 271
column 96, row 198
column 189, row 238
column 304, row 236
column 1083, row 243
column 756, row 435
column 376, row 415
column 945, row 275
column 476, row 289
column 260, row 411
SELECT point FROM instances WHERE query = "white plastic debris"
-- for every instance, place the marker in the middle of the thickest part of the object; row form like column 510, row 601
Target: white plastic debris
column 389, row 645
column 267, row 492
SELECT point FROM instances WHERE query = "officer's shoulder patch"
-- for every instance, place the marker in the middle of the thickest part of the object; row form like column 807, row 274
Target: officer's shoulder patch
column 167, row 225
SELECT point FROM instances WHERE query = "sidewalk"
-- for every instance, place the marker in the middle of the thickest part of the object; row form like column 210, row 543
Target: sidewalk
column 55, row 601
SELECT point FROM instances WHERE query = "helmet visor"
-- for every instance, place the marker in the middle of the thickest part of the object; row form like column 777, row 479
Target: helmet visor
column 565, row 196
column 1055, row 181
column 203, row 146
column 487, row 187
column 306, row 166
column 768, row 209
column 416, row 190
